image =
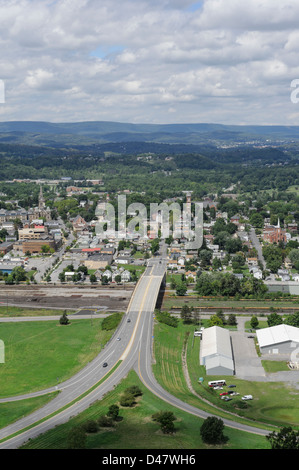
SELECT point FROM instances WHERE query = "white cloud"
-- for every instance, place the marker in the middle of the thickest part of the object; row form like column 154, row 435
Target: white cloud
column 149, row 60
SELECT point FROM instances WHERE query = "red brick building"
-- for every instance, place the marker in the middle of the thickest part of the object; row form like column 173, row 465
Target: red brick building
column 274, row 234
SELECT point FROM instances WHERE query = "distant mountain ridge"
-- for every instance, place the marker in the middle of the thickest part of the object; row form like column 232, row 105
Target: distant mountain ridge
column 106, row 131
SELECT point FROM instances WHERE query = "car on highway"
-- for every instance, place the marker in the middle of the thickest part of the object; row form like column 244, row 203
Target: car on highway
column 105, row 364
column 117, row 339
column 128, row 320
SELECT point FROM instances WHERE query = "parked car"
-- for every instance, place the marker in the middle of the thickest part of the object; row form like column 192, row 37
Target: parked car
column 247, row 397
column 223, row 393
column 231, row 386
column 227, row 399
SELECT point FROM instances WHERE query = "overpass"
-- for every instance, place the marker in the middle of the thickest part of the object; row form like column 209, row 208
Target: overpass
column 121, row 351
column 130, row 348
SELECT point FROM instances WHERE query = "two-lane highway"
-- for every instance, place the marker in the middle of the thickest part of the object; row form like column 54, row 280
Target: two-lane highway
column 132, row 350
column 122, row 348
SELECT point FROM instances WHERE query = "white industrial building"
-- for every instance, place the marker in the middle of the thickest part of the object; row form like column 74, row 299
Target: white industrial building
column 216, row 351
column 280, row 339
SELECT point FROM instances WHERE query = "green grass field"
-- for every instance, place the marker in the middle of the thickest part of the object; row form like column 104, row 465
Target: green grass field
column 41, row 354
column 274, row 403
column 9, row 311
column 34, row 347
column 137, row 430
column 12, row 411
column 262, row 305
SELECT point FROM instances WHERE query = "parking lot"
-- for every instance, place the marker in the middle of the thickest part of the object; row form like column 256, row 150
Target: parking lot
column 247, row 363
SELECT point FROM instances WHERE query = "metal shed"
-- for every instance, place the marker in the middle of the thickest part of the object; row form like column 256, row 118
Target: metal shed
column 280, row 339
column 216, row 351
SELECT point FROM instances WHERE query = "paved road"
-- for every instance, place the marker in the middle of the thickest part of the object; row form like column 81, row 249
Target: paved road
column 124, row 350
column 134, row 350
column 256, row 244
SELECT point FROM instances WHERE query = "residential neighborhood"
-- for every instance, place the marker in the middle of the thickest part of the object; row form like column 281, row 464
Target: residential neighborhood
column 235, row 243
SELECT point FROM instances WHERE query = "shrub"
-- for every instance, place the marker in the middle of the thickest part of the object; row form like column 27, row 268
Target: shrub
column 111, row 322
column 76, row 438
column 165, row 419
column 211, row 431
column 91, row 426
column 104, row 422
column 167, row 319
column 134, row 390
column 127, row 399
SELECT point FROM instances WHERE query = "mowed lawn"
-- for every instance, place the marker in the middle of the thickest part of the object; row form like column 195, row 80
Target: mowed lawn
column 137, row 430
column 41, row 354
column 274, row 403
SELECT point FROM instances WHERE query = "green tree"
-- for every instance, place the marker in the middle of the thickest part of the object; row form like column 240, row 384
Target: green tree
column 76, row 438
column 232, row 321
column 211, row 431
column 113, row 412
column 127, row 399
column 155, row 246
column 166, row 420
column 257, row 220
column 93, row 278
column 64, row 319
column 294, row 257
column 286, row 438
column 292, row 320
column 181, row 289
column 215, row 321
column 274, row 319
column 186, row 313
column 254, row 322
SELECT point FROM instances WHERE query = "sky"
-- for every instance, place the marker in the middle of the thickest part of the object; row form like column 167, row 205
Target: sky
column 150, row 61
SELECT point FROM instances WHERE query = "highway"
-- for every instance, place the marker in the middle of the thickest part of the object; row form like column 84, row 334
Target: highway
column 130, row 347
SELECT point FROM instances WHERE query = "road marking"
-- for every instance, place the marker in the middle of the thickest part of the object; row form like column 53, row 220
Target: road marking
column 137, row 323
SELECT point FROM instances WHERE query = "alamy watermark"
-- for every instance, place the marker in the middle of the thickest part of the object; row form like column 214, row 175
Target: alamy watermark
column 184, row 223
column 2, row 352
column 2, row 92
column 295, row 92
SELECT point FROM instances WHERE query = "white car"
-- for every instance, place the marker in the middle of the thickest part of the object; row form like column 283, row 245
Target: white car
column 247, row 397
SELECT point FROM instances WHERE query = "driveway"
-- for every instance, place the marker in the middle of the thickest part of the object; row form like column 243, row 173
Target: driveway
column 247, row 363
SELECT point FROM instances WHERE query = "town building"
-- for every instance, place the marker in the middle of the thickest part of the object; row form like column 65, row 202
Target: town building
column 278, row 340
column 216, row 351
column 274, row 234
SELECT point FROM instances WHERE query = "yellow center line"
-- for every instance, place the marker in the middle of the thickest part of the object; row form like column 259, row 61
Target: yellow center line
column 124, row 355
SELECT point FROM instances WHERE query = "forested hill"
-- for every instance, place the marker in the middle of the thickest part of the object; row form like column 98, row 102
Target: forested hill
column 201, row 157
column 31, row 132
